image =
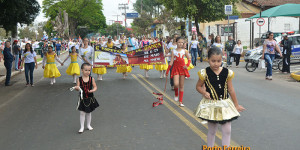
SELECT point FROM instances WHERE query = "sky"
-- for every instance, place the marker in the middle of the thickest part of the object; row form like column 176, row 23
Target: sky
column 110, row 8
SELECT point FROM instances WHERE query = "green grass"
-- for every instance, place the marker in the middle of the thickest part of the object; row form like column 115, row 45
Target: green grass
column 39, row 59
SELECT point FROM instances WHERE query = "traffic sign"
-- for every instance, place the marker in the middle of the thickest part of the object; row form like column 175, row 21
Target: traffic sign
column 232, row 17
column 228, row 9
column 260, row 21
column 119, row 22
column 132, row 15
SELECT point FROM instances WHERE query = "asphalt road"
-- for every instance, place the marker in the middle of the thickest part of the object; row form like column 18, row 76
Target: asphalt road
column 44, row 117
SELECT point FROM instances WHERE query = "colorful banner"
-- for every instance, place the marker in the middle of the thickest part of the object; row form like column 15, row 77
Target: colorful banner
column 151, row 54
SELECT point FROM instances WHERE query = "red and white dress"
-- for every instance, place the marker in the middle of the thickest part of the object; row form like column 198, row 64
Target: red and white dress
column 179, row 63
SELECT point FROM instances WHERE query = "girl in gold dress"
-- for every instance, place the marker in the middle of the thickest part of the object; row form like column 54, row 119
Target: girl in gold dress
column 123, row 68
column 73, row 69
column 216, row 107
column 49, row 66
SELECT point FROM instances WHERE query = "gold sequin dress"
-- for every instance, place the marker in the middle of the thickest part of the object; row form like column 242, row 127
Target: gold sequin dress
column 220, row 109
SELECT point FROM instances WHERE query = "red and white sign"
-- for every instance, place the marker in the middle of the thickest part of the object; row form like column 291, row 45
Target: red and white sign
column 119, row 22
column 260, row 21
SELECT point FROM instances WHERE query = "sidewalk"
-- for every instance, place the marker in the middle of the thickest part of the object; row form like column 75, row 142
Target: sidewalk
column 13, row 72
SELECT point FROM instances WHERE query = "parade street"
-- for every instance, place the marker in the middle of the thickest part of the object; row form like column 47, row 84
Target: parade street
column 44, row 117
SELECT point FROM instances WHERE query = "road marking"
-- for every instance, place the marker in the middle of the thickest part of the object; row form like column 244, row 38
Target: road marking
column 187, row 110
column 180, row 116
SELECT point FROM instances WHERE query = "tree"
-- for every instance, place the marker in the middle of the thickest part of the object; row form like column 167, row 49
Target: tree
column 199, row 10
column 26, row 32
column 32, row 32
column 169, row 21
column 142, row 25
column 87, row 13
column 148, row 6
column 17, row 11
column 114, row 29
column 2, row 34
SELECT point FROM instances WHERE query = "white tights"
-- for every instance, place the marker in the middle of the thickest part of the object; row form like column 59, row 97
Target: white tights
column 74, row 78
column 226, row 134
column 88, row 120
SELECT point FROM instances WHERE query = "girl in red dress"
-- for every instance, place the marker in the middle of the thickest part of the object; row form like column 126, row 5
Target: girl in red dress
column 179, row 70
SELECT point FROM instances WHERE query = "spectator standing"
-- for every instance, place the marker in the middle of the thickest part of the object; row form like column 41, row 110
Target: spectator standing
column 218, row 43
column 58, row 48
column 29, row 57
column 16, row 52
column 269, row 53
column 237, row 51
column 229, row 45
column 286, row 44
column 201, row 46
column 41, row 46
column 8, row 59
column 193, row 49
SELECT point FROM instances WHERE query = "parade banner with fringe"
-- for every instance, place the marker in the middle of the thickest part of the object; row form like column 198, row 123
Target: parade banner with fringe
column 151, row 54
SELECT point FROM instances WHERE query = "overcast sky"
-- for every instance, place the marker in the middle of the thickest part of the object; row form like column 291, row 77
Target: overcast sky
column 110, row 8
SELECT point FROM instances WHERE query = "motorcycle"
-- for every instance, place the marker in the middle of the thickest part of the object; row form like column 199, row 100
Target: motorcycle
column 254, row 56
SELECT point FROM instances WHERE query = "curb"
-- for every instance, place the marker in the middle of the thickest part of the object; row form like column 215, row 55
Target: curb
column 13, row 73
column 296, row 75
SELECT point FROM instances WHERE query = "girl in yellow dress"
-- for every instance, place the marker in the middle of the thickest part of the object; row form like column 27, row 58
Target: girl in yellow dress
column 100, row 71
column 124, row 68
column 49, row 66
column 109, row 43
column 146, row 67
column 162, row 68
column 73, row 69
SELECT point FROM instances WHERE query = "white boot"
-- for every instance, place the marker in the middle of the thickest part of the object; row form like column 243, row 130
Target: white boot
column 51, row 81
column 147, row 76
column 101, row 76
column 161, row 74
column 88, row 121
column 74, row 78
column 98, row 76
column 54, row 80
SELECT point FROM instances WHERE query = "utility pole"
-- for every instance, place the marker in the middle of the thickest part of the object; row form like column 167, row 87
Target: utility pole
column 117, row 24
column 124, row 6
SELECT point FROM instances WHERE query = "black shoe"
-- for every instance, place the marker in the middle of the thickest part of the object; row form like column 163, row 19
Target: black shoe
column 8, row 84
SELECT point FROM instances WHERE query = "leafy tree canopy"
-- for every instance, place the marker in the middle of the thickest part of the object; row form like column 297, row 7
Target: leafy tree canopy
column 114, row 30
column 200, row 10
column 86, row 13
column 142, row 25
column 17, row 11
column 147, row 6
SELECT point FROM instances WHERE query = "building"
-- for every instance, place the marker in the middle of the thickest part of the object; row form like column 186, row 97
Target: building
column 247, row 30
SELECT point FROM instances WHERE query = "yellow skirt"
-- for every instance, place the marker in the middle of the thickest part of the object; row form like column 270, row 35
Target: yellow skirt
column 73, row 69
column 123, row 68
column 101, row 70
column 51, row 71
column 191, row 66
column 216, row 111
column 146, row 66
column 161, row 67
